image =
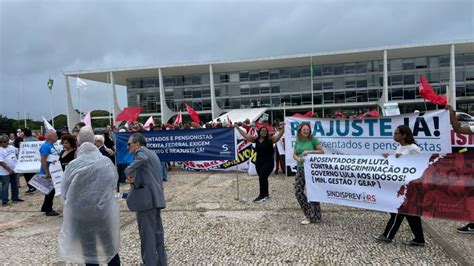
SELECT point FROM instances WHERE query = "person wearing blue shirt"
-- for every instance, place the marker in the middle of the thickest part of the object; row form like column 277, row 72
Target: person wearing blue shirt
column 46, row 150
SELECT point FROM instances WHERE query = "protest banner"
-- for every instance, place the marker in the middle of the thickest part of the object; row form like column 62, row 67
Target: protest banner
column 461, row 140
column 183, row 145
column 56, row 176
column 371, row 135
column 29, row 157
column 432, row 186
column 41, row 183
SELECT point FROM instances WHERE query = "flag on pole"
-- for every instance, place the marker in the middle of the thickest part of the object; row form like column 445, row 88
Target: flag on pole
column 47, row 125
column 427, row 92
column 87, row 119
column 50, row 84
column 149, row 123
column 179, row 119
column 194, row 115
column 129, row 114
column 81, row 84
column 228, row 120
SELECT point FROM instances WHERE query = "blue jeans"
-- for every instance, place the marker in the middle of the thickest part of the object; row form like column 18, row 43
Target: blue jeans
column 9, row 179
column 164, row 171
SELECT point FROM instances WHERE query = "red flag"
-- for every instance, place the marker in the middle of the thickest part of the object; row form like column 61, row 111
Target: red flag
column 179, row 119
column 194, row 115
column 374, row 113
column 308, row 114
column 427, row 92
column 129, row 114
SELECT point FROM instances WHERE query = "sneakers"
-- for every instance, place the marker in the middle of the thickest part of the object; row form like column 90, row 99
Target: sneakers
column 52, row 213
column 259, row 199
column 467, row 229
column 30, row 191
column 413, row 243
column 4, row 204
column 305, row 221
column 17, row 200
column 382, row 238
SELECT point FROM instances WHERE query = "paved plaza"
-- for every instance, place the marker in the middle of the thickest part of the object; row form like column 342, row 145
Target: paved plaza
column 206, row 223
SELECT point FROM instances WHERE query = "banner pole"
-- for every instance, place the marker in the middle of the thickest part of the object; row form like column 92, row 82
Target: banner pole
column 238, row 188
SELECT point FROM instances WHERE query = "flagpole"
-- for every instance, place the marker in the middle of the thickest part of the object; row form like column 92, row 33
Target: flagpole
column 311, row 88
column 51, row 105
column 24, row 106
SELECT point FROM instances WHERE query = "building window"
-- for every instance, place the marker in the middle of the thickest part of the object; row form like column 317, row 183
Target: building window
column 351, row 96
column 459, row 60
column 374, row 95
column 264, row 75
column 274, row 74
column 469, row 59
column 197, row 93
column 318, row 98
column 306, row 98
column 349, row 68
column 305, row 72
column 444, row 61
column 276, row 101
column 340, row 97
column 264, row 90
column 396, row 94
column 409, row 94
column 254, row 91
column 362, row 96
column 350, row 84
column 327, row 70
column 469, row 89
column 328, row 84
column 224, row 78
column 296, row 99
column 338, row 69
column 275, row 88
column 434, row 62
column 244, row 91
column 317, row 86
column 361, row 67
column 329, row 97
column 396, row 80
column 254, row 76
column 361, row 83
column 284, row 73
column 408, row 64
column 408, row 79
column 420, row 63
column 244, row 76
column 396, row 64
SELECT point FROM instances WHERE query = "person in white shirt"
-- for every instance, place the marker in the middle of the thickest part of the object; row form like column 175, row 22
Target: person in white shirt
column 404, row 136
column 469, row 130
column 8, row 162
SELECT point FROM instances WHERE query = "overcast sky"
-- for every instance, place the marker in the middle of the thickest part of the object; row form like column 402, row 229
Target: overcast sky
column 41, row 39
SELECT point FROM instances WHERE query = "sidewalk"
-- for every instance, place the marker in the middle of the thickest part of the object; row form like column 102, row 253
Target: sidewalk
column 205, row 223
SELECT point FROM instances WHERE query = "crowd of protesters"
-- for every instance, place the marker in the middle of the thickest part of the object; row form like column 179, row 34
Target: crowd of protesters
column 265, row 137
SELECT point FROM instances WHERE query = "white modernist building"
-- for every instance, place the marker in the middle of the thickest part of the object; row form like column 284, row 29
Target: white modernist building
column 352, row 81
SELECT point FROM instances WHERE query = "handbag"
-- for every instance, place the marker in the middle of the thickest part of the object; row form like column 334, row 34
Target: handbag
column 139, row 199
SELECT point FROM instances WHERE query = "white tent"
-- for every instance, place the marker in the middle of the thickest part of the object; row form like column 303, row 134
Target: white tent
column 240, row 115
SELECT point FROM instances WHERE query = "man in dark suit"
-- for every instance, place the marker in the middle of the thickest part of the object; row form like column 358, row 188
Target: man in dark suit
column 145, row 172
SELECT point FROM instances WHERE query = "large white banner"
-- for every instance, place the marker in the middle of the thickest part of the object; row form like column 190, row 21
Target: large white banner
column 431, row 130
column 29, row 160
column 368, row 181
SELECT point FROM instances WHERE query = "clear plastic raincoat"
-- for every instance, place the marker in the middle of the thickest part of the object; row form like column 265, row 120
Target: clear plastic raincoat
column 90, row 230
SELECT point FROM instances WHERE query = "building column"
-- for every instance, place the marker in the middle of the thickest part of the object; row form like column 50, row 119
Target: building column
column 116, row 108
column 452, row 79
column 215, row 109
column 385, row 77
column 72, row 116
column 166, row 112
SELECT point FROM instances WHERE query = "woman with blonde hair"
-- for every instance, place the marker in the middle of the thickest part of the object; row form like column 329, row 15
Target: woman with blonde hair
column 306, row 144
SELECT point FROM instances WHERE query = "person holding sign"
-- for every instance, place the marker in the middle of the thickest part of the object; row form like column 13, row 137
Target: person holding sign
column 404, row 136
column 8, row 161
column 48, row 154
column 265, row 161
column 306, row 144
column 469, row 130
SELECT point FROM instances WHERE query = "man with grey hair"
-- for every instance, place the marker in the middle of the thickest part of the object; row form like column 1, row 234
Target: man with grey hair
column 8, row 162
column 48, row 154
column 144, row 174
column 91, row 224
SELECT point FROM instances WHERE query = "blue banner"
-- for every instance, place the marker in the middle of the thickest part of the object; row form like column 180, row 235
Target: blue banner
column 182, row 145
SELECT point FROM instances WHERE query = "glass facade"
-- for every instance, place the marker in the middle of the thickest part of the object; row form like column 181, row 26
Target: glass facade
column 343, row 83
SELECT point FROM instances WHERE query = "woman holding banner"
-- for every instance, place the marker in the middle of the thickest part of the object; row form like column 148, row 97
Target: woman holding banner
column 404, row 136
column 265, row 161
column 306, row 144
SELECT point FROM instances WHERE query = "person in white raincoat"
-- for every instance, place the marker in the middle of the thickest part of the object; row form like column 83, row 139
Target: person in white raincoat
column 90, row 230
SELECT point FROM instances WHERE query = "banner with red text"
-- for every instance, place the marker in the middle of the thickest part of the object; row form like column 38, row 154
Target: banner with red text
column 424, row 185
